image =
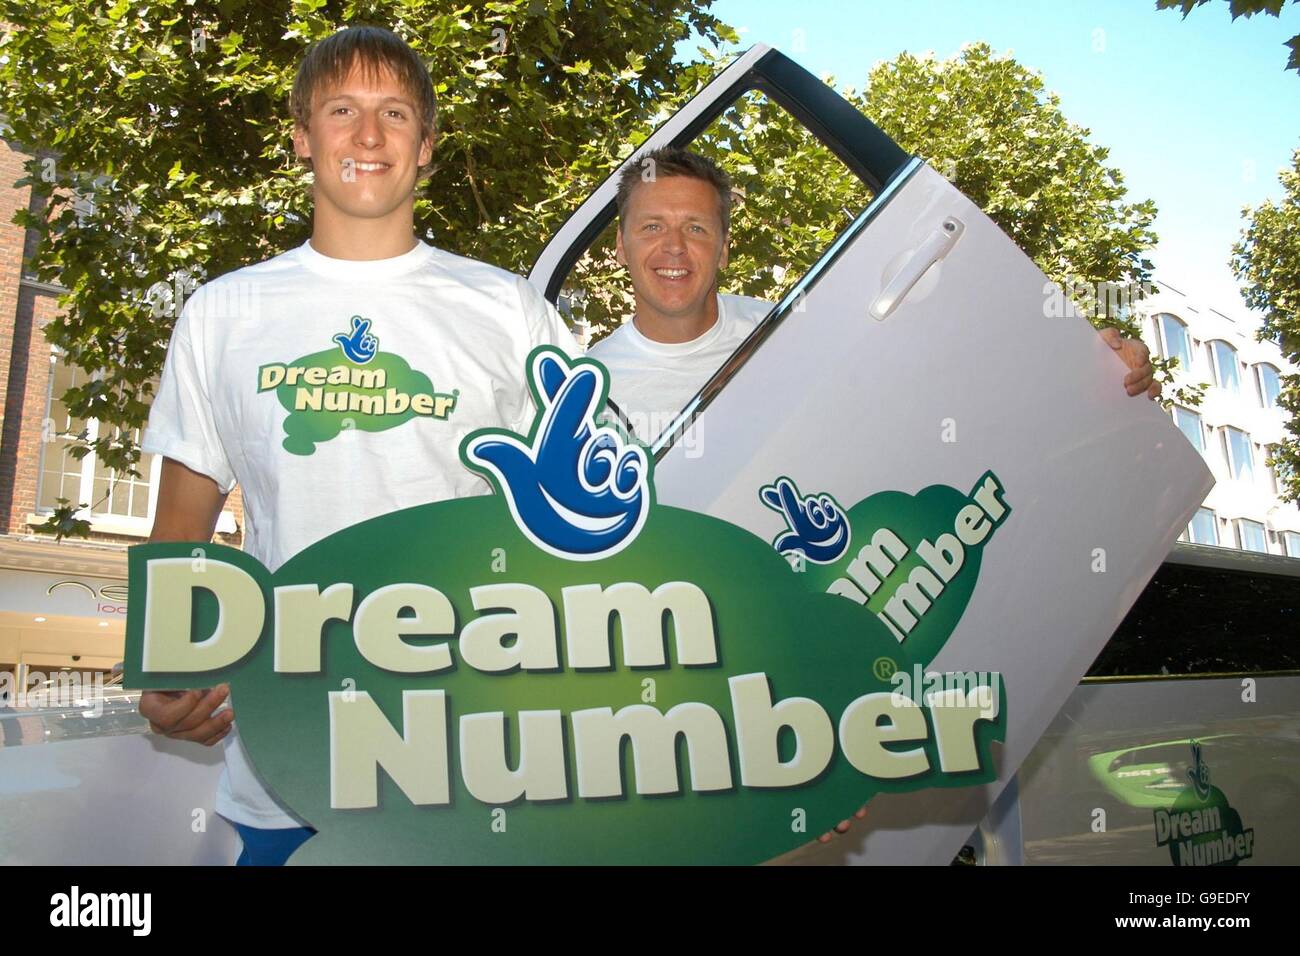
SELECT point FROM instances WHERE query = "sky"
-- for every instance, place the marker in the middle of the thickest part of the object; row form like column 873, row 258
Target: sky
column 1199, row 114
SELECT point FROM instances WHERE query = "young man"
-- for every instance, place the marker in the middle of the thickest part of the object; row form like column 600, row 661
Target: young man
column 334, row 383
column 672, row 236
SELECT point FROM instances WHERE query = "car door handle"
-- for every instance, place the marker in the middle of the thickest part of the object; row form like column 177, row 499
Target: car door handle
column 937, row 245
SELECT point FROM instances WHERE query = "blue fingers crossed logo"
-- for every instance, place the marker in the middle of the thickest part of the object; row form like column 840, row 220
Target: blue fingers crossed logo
column 359, row 345
column 816, row 524
column 1199, row 772
column 575, row 489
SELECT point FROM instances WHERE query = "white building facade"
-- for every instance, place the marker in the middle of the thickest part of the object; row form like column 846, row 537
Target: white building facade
column 1236, row 424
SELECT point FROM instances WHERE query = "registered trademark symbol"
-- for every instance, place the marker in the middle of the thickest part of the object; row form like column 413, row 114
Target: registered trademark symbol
column 884, row 667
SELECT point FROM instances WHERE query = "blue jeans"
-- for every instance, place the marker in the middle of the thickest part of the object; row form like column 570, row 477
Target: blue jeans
column 270, row 847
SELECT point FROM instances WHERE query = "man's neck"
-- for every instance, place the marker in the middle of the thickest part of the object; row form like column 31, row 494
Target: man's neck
column 346, row 237
column 675, row 329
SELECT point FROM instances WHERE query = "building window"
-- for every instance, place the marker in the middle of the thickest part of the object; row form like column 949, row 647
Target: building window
column 1190, row 425
column 1225, row 366
column 86, row 481
column 1251, row 536
column 1292, row 542
column 1281, row 471
column 1237, row 452
column 1176, row 344
column 1269, row 384
column 1204, row 528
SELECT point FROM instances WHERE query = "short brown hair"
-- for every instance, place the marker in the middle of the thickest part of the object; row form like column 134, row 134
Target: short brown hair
column 675, row 161
column 328, row 62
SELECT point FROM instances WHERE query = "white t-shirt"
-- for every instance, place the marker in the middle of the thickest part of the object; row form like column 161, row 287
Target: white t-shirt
column 652, row 381
column 333, row 391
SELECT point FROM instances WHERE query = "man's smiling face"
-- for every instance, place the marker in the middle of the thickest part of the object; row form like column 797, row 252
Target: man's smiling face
column 672, row 242
column 365, row 144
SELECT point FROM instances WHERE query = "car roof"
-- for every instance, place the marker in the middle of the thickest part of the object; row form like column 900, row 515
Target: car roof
column 1233, row 559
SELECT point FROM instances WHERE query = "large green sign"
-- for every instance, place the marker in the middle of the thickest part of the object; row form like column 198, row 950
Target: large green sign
column 606, row 681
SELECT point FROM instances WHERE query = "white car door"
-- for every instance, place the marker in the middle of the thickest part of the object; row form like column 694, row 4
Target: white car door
column 921, row 350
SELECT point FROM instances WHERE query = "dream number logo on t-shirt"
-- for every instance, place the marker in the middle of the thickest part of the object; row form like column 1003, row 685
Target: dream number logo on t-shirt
column 351, row 385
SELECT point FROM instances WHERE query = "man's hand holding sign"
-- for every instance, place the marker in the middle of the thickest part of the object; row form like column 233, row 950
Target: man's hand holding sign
column 187, row 509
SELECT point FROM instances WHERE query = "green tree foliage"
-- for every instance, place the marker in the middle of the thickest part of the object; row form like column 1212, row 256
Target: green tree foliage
column 1267, row 262
column 1244, row 8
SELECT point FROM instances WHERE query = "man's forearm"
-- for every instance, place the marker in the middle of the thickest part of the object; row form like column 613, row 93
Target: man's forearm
column 188, row 505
